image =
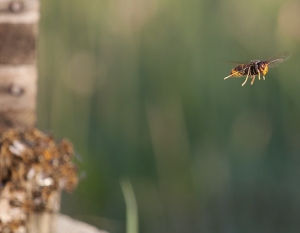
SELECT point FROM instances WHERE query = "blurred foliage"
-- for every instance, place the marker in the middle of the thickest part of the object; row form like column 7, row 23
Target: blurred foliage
column 137, row 86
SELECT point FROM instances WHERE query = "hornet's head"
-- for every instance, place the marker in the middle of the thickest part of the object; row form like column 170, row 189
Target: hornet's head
column 263, row 67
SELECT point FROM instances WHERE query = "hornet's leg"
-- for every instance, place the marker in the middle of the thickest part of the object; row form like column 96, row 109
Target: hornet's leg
column 253, row 79
column 246, row 78
column 258, row 75
column 264, row 77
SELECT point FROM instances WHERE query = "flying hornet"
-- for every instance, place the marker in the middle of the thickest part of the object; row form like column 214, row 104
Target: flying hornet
column 256, row 67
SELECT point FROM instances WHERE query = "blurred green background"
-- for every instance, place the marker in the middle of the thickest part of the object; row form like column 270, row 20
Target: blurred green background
column 137, row 86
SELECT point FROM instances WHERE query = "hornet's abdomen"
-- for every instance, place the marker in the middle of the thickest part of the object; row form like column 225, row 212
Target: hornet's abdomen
column 239, row 71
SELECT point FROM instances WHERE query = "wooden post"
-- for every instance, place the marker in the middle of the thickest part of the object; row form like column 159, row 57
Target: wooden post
column 34, row 167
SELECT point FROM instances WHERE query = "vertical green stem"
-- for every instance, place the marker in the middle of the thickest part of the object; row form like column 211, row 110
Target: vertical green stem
column 131, row 206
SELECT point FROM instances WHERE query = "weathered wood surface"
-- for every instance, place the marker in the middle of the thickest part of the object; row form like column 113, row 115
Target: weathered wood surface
column 19, row 11
column 17, row 44
column 17, row 96
column 18, row 75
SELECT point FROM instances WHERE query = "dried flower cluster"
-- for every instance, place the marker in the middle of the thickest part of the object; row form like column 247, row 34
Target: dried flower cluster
column 34, row 168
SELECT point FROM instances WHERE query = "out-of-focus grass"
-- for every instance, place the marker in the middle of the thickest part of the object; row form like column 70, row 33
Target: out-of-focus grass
column 138, row 87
